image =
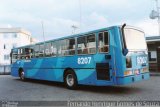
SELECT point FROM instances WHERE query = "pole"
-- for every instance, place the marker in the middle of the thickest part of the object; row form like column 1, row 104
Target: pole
column 43, row 38
column 80, row 16
column 157, row 6
column 43, row 31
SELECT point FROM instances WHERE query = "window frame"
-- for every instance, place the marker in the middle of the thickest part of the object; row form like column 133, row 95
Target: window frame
column 6, row 57
column 86, row 35
column 149, row 57
column 35, row 51
column 92, row 34
column 41, row 50
column 15, row 35
column 57, row 47
column 60, row 55
column 21, row 53
column 14, row 53
column 52, row 44
column 104, row 41
column 49, row 49
column 29, row 55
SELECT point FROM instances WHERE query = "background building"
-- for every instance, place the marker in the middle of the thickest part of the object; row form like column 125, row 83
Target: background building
column 153, row 44
column 11, row 38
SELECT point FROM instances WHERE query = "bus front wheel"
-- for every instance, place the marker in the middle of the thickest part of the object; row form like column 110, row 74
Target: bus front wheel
column 70, row 80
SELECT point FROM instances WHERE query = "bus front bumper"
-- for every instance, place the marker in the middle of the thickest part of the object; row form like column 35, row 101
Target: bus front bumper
column 132, row 79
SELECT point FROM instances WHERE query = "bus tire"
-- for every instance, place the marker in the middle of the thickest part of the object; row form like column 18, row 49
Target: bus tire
column 21, row 74
column 70, row 79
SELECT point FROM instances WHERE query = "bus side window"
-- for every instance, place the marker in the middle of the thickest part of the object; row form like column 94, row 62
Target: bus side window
column 26, row 53
column 41, row 50
column 21, row 53
column 71, row 46
column 91, row 44
column 86, row 44
column 59, row 48
column 14, row 55
column 103, row 43
column 82, row 46
column 19, row 56
column 36, row 51
column 29, row 53
column 53, row 49
column 48, row 49
column 63, row 48
column 66, row 47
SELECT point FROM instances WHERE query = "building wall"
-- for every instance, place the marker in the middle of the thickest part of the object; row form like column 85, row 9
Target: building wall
column 154, row 55
column 9, row 41
column 10, row 38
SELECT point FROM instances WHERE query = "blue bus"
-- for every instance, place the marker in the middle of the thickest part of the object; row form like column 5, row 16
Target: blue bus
column 115, row 55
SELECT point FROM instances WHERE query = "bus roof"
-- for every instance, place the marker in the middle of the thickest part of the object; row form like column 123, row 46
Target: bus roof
column 70, row 36
column 77, row 35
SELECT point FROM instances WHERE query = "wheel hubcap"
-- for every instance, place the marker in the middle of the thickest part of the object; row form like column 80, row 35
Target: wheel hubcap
column 70, row 80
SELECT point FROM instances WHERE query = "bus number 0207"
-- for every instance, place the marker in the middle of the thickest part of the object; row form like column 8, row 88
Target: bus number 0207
column 84, row 60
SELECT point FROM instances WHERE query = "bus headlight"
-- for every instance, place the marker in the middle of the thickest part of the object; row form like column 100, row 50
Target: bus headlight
column 126, row 73
column 128, row 62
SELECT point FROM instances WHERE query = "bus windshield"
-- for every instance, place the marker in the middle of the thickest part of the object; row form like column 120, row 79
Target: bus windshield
column 135, row 39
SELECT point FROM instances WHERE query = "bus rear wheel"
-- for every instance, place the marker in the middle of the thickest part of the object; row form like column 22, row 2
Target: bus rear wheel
column 70, row 80
column 21, row 75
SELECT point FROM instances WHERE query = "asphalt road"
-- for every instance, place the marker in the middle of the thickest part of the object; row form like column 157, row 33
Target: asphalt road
column 13, row 89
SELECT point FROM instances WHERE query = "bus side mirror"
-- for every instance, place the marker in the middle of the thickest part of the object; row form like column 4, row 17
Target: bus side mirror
column 125, row 52
column 108, row 57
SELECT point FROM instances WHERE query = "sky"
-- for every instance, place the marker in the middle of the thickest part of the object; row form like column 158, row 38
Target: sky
column 58, row 16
